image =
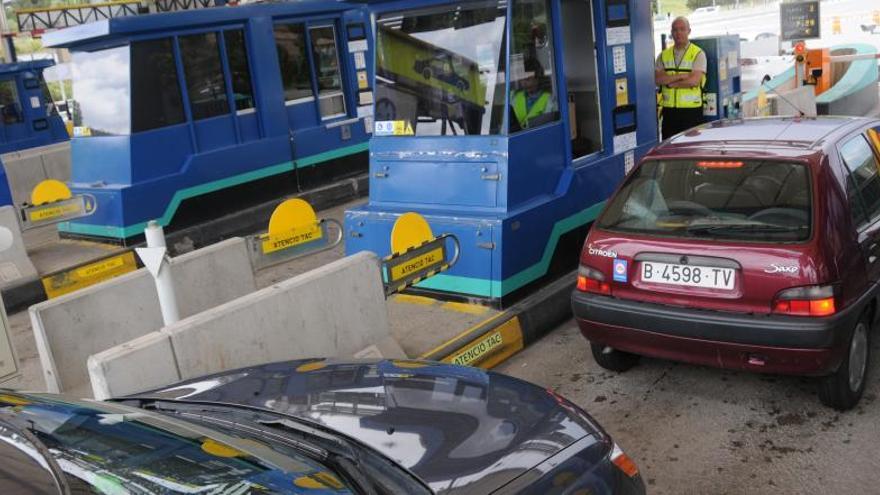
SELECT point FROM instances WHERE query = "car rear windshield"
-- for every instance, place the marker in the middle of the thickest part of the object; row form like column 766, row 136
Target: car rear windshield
column 749, row 200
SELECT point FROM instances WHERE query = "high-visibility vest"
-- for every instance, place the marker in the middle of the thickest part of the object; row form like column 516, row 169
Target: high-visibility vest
column 523, row 114
column 682, row 97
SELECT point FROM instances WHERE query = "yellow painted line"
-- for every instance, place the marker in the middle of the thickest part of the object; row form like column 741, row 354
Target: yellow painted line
column 471, row 309
column 461, row 336
column 410, row 299
column 493, row 348
column 89, row 274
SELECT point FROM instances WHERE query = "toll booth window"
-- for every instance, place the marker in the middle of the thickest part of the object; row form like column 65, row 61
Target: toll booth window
column 156, row 100
column 581, row 76
column 290, row 43
column 441, row 71
column 205, row 82
column 48, row 102
column 10, row 107
column 331, row 100
column 533, row 99
column 101, row 92
column 239, row 69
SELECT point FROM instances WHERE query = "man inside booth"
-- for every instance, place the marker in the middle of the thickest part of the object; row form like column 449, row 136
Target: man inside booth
column 531, row 101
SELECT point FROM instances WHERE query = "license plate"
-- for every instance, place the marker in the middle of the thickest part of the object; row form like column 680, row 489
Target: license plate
column 688, row 275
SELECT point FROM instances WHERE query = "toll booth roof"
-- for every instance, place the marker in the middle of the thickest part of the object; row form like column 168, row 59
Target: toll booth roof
column 25, row 66
column 121, row 28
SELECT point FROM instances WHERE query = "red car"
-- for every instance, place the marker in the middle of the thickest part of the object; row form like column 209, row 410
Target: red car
column 747, row 245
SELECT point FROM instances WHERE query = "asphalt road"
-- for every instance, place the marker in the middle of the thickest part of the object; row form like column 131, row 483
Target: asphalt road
column 697, row 430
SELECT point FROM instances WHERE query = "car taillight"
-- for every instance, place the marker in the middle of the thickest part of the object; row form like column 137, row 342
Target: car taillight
column 814, row 300
column 623, row 462
column 592, row 280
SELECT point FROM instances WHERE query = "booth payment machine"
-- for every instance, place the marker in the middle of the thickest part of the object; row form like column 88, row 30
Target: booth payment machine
column 722, row 94
column 507, row 124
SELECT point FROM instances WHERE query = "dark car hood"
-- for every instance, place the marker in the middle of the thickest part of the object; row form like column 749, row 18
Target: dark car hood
column 460, row 429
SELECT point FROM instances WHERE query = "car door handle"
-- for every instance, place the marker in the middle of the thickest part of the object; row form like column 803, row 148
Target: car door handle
column 381, row 175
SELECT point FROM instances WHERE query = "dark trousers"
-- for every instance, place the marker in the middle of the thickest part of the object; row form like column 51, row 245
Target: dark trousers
column 676, row 120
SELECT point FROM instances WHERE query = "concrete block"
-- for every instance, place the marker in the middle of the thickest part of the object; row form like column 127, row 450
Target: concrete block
column 75, row 326
column 72, row 327
column 56, row 161
column 27, row 168
column 336, row 310
column 15, row 265
column 23, row 173
column 135, row 366
column 213, row 275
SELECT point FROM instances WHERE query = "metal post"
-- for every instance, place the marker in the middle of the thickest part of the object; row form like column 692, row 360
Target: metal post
column 4, row 29
column 164, row 284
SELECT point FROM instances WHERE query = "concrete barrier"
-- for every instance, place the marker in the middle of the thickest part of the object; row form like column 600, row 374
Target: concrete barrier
column 139, row 364
column 26, row 168
column 15, row 265
column 855, row 87
column 336, row 310
column 75, row 326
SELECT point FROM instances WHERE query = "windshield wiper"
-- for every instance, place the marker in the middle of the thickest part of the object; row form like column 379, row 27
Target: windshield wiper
column 743, row 227
column 330, row 440
column 340, row 453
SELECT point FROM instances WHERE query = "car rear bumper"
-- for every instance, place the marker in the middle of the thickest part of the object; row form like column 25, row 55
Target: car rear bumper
column 769, row 344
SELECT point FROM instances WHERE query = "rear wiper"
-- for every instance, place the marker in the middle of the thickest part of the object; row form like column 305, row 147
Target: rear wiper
column 744, row 227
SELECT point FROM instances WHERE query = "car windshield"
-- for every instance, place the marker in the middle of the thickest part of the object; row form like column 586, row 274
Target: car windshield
column 109, row 448
column 745, row 200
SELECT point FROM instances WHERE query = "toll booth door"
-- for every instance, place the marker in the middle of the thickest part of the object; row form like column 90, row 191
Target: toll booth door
column 312, row 80
column 207, row 90
column 12, row 111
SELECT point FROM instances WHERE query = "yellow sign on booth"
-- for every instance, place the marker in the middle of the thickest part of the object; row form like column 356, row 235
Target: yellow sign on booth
column 415, row 253
column 293, row 222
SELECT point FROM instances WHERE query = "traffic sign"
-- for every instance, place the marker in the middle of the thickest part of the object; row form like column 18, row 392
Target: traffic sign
column 799, row 20
column 416, row 253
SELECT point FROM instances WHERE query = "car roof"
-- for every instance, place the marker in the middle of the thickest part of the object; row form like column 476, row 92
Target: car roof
column 772, row 136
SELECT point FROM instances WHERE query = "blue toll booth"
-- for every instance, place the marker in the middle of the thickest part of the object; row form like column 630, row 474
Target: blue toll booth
column 723, row 92
column 507, row 124
column 192, row 115
column 28, row 118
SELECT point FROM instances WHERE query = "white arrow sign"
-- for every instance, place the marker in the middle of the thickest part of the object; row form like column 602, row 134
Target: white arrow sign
column 152, row 258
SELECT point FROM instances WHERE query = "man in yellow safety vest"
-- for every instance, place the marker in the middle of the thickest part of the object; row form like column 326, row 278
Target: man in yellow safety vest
column 680, row 71
column 531, row 101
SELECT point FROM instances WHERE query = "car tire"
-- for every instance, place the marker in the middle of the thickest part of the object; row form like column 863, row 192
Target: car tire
column 613, row 359
column 843, row 389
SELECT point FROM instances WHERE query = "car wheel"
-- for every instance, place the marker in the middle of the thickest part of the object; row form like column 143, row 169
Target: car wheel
column 612, row 359
column 843, row 389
